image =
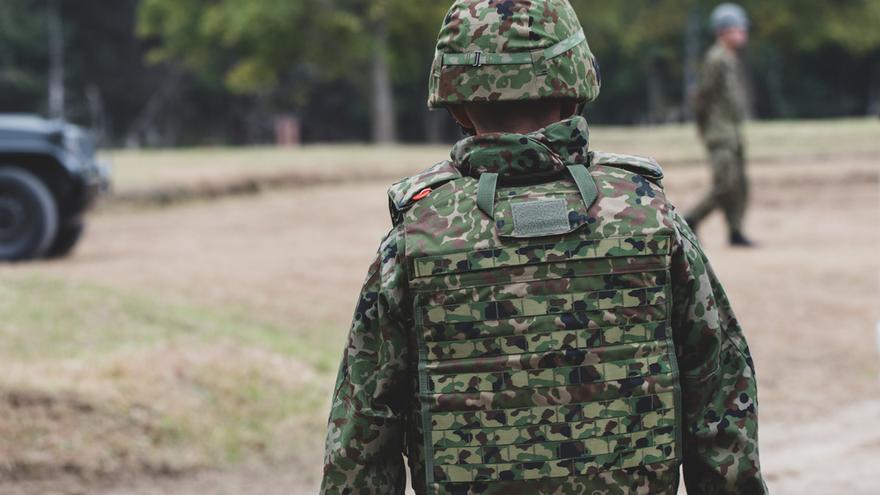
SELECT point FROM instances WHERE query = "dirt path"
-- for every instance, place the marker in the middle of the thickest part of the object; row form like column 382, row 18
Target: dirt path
column 808, row 299
column 838, row 453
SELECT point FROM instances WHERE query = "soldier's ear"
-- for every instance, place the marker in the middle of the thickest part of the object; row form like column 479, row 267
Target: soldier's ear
column 464, row 121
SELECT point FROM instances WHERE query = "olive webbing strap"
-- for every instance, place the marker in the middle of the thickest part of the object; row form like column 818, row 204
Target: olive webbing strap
column 486, row 193
column 585, row 184
column 479, row 58
column 489, row 183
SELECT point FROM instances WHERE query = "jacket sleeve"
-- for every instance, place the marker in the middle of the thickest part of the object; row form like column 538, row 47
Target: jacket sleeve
column 364, row 446
column 719, row 393
column 714, row 77
column 711, row 80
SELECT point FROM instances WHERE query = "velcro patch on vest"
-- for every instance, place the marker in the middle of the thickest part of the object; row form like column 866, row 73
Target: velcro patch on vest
column 540, row 218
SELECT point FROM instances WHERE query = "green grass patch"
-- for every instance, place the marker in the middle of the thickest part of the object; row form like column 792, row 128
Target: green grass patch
column 98, row 381
column 46, row 318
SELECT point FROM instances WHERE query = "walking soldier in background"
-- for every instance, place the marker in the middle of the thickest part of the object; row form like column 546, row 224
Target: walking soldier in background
column 539, row 319
column 721, row 106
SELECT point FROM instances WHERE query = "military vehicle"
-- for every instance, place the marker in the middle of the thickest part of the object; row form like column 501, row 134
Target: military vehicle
column 49, row 178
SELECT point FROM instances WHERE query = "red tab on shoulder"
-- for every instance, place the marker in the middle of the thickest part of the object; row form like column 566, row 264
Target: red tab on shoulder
column 424, row 193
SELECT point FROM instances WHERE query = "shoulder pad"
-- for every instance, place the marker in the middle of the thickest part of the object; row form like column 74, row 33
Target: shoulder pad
column 646, row 167
column 400, row 195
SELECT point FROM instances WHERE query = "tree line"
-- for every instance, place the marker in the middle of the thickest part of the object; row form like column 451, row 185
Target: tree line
column 188, row 72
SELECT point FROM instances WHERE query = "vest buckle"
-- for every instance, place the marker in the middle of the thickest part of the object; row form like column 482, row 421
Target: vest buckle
column 478, row 58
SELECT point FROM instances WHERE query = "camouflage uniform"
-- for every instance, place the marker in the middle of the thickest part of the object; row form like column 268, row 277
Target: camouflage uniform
column 721, row 110
column 539, row 319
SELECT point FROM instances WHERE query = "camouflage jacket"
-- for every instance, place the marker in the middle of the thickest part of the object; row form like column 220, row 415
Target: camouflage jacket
column 371, row 429
column 722, row 102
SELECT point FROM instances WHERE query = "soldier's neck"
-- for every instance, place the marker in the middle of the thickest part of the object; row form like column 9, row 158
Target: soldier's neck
column 527, row 124
column 728, row 46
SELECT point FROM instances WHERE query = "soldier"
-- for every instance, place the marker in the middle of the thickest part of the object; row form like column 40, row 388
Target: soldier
column 539, row 319
column 721, row 107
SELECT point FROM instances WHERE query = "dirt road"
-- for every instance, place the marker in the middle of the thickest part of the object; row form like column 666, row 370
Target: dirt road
column 807, row 297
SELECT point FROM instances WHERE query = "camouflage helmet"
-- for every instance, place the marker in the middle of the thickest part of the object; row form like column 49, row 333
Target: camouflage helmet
column 507, row 50
column 729, row 15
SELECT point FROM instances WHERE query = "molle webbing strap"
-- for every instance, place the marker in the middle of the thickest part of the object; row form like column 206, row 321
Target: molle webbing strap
column 486, row 193
column 543, row 379
column 480, row 58
column 573, row 250
column 585, row 184
column 579, row 173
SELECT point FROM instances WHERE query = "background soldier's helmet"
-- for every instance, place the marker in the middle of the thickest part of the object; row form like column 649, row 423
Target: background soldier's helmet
column 729, row 15
column 508, row 50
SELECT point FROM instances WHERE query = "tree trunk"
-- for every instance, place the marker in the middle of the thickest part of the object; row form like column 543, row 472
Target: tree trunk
column 873, row 107
column 144, row 129
column 56, row 60
column 384, row 128
column 776, row 85
column 97, row 114
column 655, row 91
column 691, row 63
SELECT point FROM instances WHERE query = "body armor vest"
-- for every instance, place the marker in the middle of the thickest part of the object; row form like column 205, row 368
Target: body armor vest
column 545, row 356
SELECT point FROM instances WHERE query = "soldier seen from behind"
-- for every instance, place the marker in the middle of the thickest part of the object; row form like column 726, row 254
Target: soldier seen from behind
column 539, row 319
column 721, row 106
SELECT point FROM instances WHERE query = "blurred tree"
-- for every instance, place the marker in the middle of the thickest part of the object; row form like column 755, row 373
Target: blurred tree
column 278, row 50
column 285, row 51
column 23, row 57
column 165, row 72
column 55, row 33
column 640, row 45
column 383, row 123
column 108, row 85
column 652, row 41
column 412, row 37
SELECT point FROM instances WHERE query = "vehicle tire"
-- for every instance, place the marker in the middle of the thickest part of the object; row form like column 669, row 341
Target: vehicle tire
column 66, row 240
column 28, row 215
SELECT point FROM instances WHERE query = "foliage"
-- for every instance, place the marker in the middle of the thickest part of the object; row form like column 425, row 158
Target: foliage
column 241, row 62
column 22, row 55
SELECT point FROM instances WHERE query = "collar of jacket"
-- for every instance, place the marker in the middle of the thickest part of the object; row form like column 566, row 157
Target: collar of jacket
column 543, row 152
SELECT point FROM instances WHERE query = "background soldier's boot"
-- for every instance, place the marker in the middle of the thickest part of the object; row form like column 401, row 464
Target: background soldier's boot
column 739, row 240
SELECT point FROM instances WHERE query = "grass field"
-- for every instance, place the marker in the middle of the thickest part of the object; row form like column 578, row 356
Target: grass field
column 191, row 349
column 139, row 172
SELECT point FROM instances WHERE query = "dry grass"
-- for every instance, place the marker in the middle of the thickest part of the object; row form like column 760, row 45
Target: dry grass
column 99, row 382
column 207, row 335
column 213, row 170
